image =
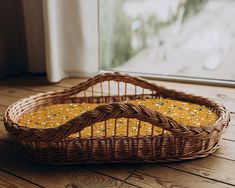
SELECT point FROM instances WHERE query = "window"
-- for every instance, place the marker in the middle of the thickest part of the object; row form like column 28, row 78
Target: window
column 179, row 38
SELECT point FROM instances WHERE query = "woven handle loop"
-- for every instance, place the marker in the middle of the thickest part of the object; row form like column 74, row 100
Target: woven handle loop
column 106, row 112
column 111, row 77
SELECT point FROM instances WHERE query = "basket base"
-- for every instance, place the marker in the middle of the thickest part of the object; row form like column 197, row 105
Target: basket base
column 205, row 153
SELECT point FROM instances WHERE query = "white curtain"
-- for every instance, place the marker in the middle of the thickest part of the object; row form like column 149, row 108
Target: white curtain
column 70, row 37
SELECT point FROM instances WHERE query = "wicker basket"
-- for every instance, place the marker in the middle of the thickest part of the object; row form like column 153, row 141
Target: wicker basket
column 54, row 146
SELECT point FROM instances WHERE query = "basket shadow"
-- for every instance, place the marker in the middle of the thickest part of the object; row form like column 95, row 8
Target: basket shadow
column 12, row 162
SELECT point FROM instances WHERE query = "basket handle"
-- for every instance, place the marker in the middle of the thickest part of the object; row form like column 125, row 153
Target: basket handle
column 103, row 113
column 116, row 76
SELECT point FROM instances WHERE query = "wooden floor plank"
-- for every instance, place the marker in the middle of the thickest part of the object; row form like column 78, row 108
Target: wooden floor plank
column 151, row 176
column 4, row 136
column 222, row 95
column 227, row 150
column 210, row 167
column 42, row 89
column 2, row 111
column 14, row 92
column 121, row 172
column 201, row 173
column 53, row 176
column 70, row 82
column 232, row 122
column 32, row 83
column 230, row 133
column 8, row 96
column 118, row 171
column 7, row 100
column 10, row 181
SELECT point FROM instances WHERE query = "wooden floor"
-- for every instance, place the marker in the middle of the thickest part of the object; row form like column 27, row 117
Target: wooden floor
column 217, row 170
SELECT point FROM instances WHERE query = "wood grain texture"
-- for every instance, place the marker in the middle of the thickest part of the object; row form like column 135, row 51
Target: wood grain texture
column 4, row 136
column 216, row 170
column 118, row 171
column 15, row 92
column 230, row 133
column 2, row 110
column 7, row 100
column 10, row 181
column 211, row 167
column 69, row 82
column 53, row 176
column 36, row 84
column 31, row 83
column 227, row 151
column 151, row 176
column 232, row 122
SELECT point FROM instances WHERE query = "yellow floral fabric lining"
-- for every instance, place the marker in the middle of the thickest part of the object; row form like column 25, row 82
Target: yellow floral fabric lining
column 182, row 112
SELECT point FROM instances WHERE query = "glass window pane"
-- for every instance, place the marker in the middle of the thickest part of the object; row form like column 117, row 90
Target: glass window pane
column 174, row 37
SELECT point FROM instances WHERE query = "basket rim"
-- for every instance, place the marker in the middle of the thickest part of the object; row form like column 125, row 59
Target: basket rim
column 194, row 132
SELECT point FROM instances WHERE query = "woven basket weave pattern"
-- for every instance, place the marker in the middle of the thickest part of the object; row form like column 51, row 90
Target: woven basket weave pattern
column 54, row 146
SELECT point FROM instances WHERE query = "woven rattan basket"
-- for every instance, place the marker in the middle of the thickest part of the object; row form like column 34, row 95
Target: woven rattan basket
column 54, row 146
